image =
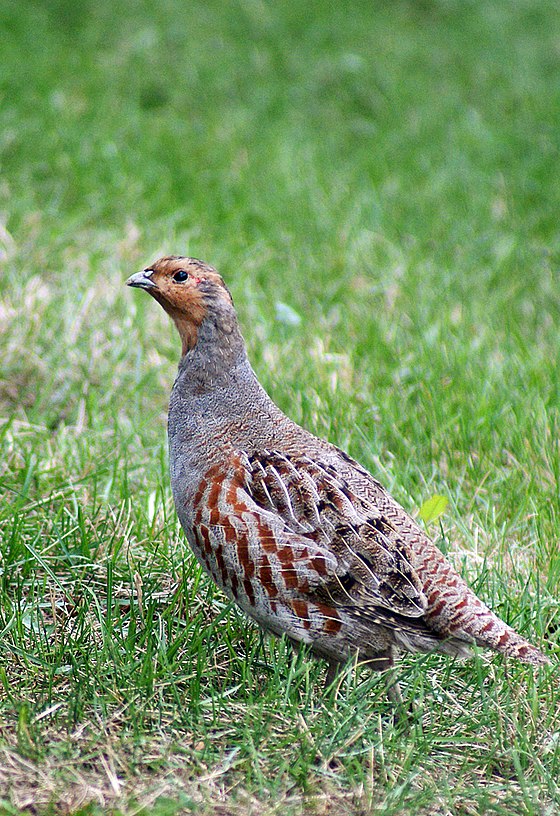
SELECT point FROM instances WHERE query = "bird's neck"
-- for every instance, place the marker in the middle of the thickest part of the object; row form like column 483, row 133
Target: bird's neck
column 216, row 359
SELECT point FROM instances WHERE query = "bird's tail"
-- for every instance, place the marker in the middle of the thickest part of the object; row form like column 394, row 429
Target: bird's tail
column 456, row 612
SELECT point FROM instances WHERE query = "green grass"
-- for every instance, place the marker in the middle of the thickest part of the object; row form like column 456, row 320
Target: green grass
column 390, row 172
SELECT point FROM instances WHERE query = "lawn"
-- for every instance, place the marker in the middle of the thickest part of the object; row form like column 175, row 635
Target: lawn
column 379, row 185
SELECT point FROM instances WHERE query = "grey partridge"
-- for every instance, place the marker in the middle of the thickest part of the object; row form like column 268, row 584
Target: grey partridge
column 291, row 528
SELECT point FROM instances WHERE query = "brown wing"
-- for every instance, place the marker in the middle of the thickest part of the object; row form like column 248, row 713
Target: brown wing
column 317, row 505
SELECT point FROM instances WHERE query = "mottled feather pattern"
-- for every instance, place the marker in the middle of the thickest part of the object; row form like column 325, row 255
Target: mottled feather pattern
column 311, row 499
column 280, row 535
column 453, row 610
column 274, row 574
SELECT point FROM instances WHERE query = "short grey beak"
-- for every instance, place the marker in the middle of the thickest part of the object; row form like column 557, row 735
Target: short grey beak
column 142, row 280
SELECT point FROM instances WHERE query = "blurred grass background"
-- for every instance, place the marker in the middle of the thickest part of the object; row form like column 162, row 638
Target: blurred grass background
column 378, row 183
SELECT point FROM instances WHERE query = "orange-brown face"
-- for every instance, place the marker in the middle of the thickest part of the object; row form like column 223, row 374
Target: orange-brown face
column 187, row 289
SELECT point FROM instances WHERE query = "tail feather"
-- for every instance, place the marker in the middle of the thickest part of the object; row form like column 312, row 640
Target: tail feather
column 489, row 631
column 454, row 610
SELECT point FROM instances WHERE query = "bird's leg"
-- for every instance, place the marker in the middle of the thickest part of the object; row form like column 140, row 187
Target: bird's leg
column 385, row 663
column 332, row 673
column 403, row 710
column 394, row 692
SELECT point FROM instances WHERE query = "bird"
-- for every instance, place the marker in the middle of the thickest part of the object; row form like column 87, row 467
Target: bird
column 296, row 532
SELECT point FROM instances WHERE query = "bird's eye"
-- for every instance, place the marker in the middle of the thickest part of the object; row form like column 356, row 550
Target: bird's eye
column 180, row 276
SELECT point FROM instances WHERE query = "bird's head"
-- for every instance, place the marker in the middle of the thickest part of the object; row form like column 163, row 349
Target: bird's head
column 191, row 292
